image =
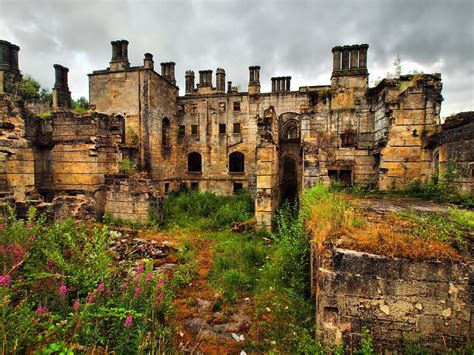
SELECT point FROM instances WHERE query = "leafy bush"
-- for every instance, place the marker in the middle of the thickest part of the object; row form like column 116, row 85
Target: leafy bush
column 127, row 167
column 80, row 106
column 134, row 139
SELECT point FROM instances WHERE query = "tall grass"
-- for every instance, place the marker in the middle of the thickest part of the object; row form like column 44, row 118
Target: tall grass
column 206, row 210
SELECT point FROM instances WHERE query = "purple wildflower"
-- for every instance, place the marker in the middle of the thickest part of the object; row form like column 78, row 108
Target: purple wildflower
column 76, row 306
column 100, row 289
column 140, row 269
column 41, row 310
column 128, row 321
column 90, row 299
column 5, row 280
column 63, row 290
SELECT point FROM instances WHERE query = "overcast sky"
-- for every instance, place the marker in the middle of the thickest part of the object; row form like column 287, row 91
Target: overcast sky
column 291, row 37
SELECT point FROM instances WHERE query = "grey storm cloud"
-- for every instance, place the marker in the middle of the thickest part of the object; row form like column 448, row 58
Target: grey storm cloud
column 286, row 37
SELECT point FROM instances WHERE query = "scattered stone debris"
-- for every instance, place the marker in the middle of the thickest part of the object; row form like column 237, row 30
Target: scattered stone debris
column 138, row 248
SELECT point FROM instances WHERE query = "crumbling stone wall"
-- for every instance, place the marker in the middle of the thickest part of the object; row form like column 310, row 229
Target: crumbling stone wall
column 398, row 300
column 131, row 198
column 74, row 153
column 17, row 174
column 453, row 153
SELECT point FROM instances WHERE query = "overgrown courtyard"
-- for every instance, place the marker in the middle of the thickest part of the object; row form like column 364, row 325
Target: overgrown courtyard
column 221, row 286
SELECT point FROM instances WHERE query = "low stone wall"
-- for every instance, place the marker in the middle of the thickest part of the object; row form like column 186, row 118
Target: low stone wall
column 398, row 300
column 131, row 198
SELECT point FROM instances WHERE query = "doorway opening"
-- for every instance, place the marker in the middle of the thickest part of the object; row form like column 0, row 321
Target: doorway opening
column 289, row 182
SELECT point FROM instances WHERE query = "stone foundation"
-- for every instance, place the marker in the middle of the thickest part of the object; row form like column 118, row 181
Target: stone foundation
column 398, row 300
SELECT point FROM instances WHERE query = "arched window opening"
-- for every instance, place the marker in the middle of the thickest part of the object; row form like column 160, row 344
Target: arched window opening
column 194, row 163
column 236, row 162
column 291, row 130
column 166, row 133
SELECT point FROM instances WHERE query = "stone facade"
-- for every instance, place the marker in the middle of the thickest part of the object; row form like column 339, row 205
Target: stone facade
column 212, row 137
column 399, row 300
column 274, row 144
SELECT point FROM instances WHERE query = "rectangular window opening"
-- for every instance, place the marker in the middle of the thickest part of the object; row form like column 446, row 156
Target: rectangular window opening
column 236, row 106
column 181, row 130
column 194, row 129
column 236, row 127
column 194, row 185
column 167, row 187
column 222, row 106
column 238, row 186
column 222, row 128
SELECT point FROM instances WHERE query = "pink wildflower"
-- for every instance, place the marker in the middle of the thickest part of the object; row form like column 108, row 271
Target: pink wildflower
column 124, row 285
column 108, row 292
column 161, row 296
column 63, row 290
column 100, row 289
column 76, row 306
column 160, row 283
column 5, row 280
column 140, row 269
column 2, row 226
column 149, row 276
column 128, row 321
column 137, row 292
column 41, row 310
column 90, row 299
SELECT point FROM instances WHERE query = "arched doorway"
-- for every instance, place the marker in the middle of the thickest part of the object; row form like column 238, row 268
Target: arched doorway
column 289, row 180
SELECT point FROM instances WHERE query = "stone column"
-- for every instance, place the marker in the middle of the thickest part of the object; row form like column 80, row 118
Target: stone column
column 363, row 55
column 189, row 78
column 345, row 58
column 14, row 57
column 288, row 81
column 124, row 52
column 336, row 58
column 171, row 72
column 148, row 61
column 61, row 93
column 354, row 57
column 5, row 56
column 220, row 80
column 273, row 84
column 229, row 87
column 115, row 52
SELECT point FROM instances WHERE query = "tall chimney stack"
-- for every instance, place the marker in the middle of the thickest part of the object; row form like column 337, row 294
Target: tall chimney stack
column 119, row 55
column 61, row 94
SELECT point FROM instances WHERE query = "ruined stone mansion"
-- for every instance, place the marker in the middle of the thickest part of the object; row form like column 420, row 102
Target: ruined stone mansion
column 274, row 144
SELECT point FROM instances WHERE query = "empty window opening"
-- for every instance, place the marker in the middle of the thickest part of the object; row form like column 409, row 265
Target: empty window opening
column 236, row 127
column 348, row 139
column 194, row 163
column 236, row 162
column 165, row 133
column 236, row 106
column 193, row 108
column 181, row 131
column 194, row 185
column 222, row 106
column 291, row 131
column 194, row 129
column 167, row 187
column 222, row 128
column 344, row 176
column 238, row 186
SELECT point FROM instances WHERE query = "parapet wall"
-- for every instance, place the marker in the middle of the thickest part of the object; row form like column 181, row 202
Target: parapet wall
column 398, row 300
